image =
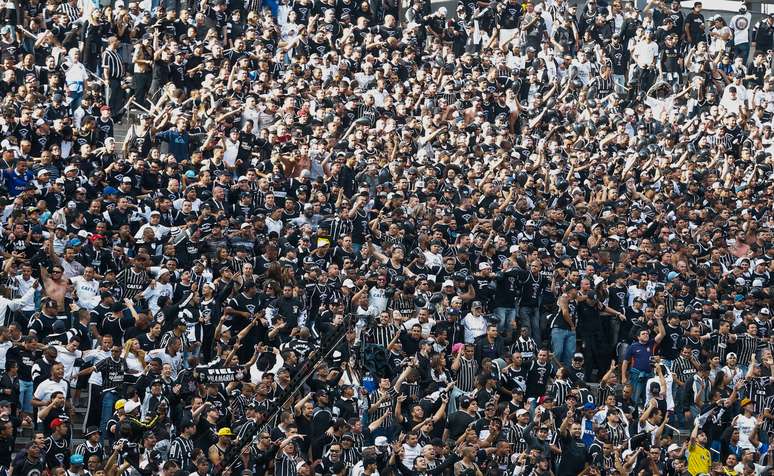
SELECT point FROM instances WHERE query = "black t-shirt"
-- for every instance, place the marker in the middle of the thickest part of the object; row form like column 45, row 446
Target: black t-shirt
column 112, row 373
column 26, row 359
column 670, row 346
column 573, row 457
column 537, row 378
column 30, row 468
column 57, row 453
column 695, row 24
column 458, row 423
column 509, row 18
column 206, row 434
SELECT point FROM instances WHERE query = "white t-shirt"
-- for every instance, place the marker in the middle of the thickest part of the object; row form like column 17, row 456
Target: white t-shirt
column 23, row 286
column 645, row 53
column 67, row 359
column 740, row 25
column 584, row 71
column 88, row 291
column 410, row 453
column 96, row 356
column 47, row 387
column 746, row 425
column 474, row 327
column 4, row 346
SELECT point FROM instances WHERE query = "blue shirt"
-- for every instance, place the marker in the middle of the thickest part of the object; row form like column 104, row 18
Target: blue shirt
column 640, row 356
column 178, row 143
column 16, row 183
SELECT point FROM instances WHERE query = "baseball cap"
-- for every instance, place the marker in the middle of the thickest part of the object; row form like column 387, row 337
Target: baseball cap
column 225, row 432
column 55, row 423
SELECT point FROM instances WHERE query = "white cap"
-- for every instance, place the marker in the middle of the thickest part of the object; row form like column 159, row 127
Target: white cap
column 448, row 282
column 163, row 271
column 70, row 168
column 521, row 412
column 757, row 283
column 244, row 225
column 43, row 172
column 484, row 265
column 673, row 447
column 155, row 212
column 127, row 180
column 740, row 282
column 131, row 406
column 348, row 283
column 380, row 441
column 513, row 248
column 208, row 285
column 83, row 234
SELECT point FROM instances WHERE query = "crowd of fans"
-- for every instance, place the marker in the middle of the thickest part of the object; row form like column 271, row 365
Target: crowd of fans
column 346, row 237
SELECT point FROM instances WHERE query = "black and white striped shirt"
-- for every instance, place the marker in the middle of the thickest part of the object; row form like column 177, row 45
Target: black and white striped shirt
column 757, row 391
column 560, row 390
column 403, row 304
column 516, row 438
column 112, row 63
column 382, row 335
column 339, row 228
column 132, row 283
column 410, row 389
column 603, row 392
column 384, row 407
column 718, row 344
column 72, row 12
column 350, row 456
column 616, row 434
column 683, row 369
column 746, row 345
column 86, row 450
column 527, row 347
column 466, row 374
column 181, row 451
column 285, row 465
column 369, row 112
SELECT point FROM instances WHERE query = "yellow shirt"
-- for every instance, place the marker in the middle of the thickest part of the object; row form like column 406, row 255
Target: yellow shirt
column 698, row 460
